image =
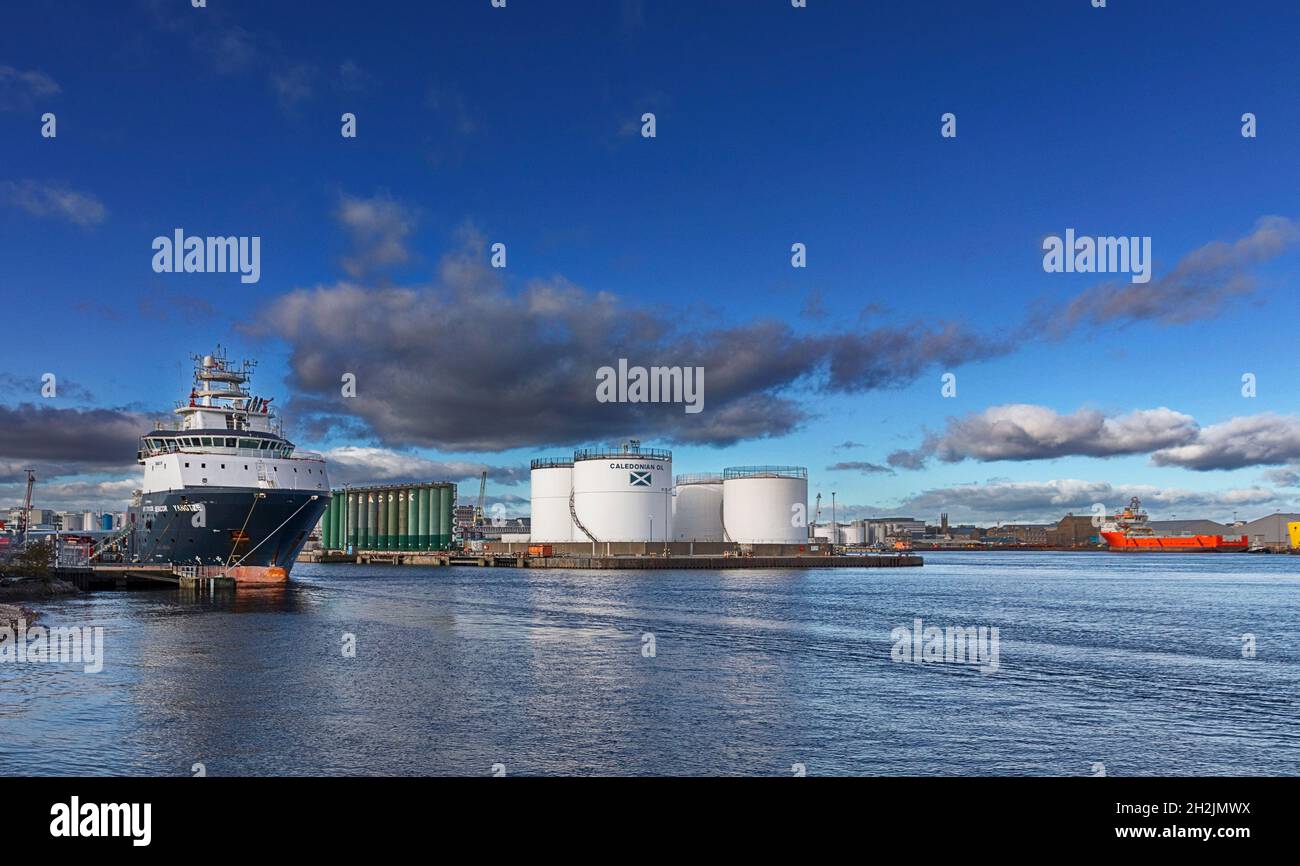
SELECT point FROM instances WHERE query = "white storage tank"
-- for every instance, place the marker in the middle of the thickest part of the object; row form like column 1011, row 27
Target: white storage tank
column 552, row 482
column 765, row 504
column 853, row 533
column 624, row 493
column 697, row 508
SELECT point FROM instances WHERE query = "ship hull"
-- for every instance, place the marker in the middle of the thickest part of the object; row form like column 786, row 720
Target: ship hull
column 254, row 535
column 1172, row 543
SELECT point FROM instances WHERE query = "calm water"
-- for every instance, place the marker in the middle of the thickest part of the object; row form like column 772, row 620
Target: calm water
column 1130, row 661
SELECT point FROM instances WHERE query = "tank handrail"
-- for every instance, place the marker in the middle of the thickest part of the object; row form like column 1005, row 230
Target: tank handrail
column 606, row 453
column 734, row 472
column 699, row 478
column 550, row 463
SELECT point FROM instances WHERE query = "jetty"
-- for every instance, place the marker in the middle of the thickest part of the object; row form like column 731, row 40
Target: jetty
column 497, row 559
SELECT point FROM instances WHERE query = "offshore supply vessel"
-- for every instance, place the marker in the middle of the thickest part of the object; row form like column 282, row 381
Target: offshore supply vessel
column 1128, row 530
column 223, row 489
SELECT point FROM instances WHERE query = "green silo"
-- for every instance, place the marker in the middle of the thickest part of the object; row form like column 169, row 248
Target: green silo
column 422, row 534
column 337, row 523
column 393, row 520
column 327, row 525
column 381, row 528
column 444, row 527
column 372, row 521
column 435, row 519
column 412, row 520
column 402, row 541
column 353, row 527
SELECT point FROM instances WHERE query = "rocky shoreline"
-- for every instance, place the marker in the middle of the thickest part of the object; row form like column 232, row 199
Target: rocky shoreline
column 28, row 589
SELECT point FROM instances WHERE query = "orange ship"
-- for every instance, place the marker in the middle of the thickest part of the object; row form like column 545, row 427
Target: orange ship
column 1128, row 530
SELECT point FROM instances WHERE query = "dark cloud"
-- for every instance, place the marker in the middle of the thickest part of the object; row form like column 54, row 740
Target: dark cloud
column 892, row 357
column 465, row 364
column 860, row 466
column 62, row 442
column 1199, row 286
column 1048, row 501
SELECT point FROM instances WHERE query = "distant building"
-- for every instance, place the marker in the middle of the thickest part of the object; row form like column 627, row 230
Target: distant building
column 1267, row 531
column 1073, row 531
column 883, row 529
column 1194, row 527
column 1023, row 533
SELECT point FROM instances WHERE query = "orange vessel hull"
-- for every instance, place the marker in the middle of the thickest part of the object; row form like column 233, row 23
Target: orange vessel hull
column 1173, row 543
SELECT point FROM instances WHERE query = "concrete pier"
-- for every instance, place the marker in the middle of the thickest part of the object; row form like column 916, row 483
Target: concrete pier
column 489, row 559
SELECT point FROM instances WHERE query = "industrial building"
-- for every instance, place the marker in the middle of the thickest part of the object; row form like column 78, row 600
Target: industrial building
column 389, row 517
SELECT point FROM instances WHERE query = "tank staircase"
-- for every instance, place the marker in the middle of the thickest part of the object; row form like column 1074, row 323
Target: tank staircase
column 573, row 512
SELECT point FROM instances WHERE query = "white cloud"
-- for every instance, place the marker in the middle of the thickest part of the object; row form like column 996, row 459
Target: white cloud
column 53, row 200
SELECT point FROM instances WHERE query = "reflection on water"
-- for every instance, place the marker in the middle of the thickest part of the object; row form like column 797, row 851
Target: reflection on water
column 1134, row 662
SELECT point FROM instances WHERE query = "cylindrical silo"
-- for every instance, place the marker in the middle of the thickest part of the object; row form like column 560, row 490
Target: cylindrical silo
column 765, row 504
column 697, row 508
column 392, row 520
column 381, row 529
column 371, row 520
column 422, row 538
column 623, row 494
column 327, row 525
column 413, row 518
column 353, row 518
column 337, row 507
column 444, row 516
column 403, row 522
column 552, row 484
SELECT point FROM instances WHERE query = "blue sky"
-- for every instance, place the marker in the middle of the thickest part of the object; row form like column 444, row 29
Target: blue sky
column 775, row 125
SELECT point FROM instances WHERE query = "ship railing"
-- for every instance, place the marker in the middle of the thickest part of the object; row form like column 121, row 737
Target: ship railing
column 199, row 571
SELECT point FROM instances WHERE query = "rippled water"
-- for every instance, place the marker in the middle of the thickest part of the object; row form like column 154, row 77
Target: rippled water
column 1131, row 661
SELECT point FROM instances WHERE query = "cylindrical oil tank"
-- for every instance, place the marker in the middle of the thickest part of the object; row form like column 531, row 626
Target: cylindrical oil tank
column 552, row 484
column 765, row 504
column 444, row 516
column 853, row 533
column 697, row 508
column 353, row 517
column 422, row 536
column 623, row 494
column 403, row 522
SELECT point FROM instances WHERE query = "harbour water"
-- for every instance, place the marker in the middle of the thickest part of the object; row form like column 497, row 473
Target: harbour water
column 1133, row 663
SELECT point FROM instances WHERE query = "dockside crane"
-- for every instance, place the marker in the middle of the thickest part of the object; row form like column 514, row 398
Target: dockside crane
column 479, row 521
column 26, row 519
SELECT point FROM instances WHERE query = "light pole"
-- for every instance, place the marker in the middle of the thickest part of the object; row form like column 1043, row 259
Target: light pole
column 835, row 525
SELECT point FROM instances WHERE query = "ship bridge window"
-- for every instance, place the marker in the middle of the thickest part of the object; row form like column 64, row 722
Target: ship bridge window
column 207, row 441
column 248, row 443
column 230, row 443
